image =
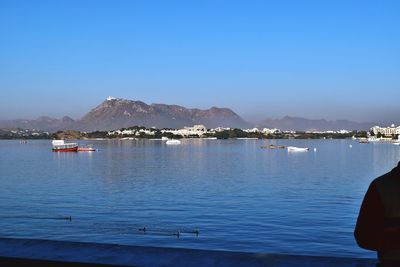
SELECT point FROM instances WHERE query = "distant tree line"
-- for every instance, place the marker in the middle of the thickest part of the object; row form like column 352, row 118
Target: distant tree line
column 139, row 132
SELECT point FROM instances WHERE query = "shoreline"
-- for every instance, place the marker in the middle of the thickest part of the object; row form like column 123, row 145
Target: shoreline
column 26, row 252
column 195, row 138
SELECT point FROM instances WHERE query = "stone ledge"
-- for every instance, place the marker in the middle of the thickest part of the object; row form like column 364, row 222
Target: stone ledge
column 65, row 253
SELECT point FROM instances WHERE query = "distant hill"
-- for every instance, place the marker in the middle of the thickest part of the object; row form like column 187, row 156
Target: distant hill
column 302, row 124
column 119, row 113
column 43, row 123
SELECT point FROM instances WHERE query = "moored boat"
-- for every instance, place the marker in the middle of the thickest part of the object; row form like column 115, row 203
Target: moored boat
column 61, row 146
column 87, row 148
column 128, row 138
column 297, row 149
column 173, row 142
column 273, row 147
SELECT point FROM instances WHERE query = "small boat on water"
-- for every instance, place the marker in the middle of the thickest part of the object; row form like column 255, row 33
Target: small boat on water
column 363, row 141
column 297, row 149
column 88, row 148
column 273, row 147
column 396, row 143
column 173, row 142
column 61, row 146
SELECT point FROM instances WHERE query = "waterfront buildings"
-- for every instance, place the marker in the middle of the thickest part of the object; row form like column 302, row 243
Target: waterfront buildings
column 253, row 130
column 329, row 132
column 267, row 131
column 386, row 131
column 202, row 131
column 136, row 132
column 220, row 129
column 196, row 130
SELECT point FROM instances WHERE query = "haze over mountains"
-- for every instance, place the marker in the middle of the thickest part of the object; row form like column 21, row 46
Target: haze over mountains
column 302, row 124
column 119, row 113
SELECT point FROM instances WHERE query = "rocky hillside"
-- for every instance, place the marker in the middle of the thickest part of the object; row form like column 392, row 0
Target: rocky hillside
column 120, row 113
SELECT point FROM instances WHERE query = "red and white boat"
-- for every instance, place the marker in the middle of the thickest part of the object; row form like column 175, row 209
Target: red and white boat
column 61, row 146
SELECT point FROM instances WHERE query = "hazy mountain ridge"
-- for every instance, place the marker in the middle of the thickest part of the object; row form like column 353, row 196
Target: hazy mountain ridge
column 121, row 113
column 42, row 123
column 302, row 124
column 116, row 113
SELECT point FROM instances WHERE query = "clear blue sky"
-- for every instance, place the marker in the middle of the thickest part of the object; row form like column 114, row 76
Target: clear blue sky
column 316, row 59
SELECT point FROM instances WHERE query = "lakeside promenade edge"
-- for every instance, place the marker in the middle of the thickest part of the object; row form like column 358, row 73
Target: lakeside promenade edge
column 25, row 252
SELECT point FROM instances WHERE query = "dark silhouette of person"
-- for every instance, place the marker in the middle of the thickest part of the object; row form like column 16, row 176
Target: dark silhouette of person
column 378, row 223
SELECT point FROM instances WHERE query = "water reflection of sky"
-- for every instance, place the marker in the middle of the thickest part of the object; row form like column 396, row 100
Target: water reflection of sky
column 239, row 196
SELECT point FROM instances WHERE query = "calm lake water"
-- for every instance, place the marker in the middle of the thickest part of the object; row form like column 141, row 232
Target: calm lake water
column 239, row 196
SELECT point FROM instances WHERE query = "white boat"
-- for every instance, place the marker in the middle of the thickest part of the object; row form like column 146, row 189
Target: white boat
column 61, row 146
column 173, row 142
column 164, row 138
column 297, row 149
column 396, row 143
column 128, row 138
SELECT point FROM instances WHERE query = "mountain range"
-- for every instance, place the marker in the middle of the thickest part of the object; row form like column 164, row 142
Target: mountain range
column 116, row 113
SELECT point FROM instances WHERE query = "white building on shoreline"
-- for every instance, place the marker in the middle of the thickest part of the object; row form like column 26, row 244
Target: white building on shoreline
column 386, row 131
column 132, row 132
column 267, row 131
column 329, row 132
column 199, row 130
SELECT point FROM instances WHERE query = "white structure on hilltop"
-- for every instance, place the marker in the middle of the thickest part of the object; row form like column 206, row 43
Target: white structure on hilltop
column 386, row 131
